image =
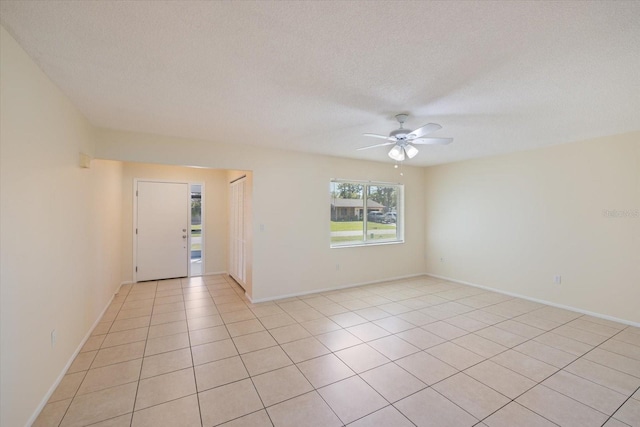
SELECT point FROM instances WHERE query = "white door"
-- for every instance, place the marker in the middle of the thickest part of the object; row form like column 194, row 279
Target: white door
column 162, row 223
column 237, row 262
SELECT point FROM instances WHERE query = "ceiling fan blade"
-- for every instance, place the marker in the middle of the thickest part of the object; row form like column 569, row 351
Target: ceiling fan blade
column 377, row 145
column 432, row 141
column 424, row 130
column 379, row 136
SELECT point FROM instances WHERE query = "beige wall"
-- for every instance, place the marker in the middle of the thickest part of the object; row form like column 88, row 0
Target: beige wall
column 291, row 253
column 514, row 222
column 215, row 216
column 59, row 264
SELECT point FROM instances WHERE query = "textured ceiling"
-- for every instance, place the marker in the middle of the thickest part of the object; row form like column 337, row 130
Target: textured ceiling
column 313, row 76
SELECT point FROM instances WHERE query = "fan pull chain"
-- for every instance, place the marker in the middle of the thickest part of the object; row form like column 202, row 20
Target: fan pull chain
column 399, row 167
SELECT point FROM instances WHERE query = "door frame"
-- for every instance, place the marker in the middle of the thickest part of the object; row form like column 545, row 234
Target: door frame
column 238, row 276
column 135, row 222
column 202, row 221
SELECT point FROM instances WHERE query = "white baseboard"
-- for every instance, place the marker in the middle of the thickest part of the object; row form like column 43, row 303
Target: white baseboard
column 538, row 300
column 215, row 273
column 335, row 288
column 45, row 399
column 120, row 287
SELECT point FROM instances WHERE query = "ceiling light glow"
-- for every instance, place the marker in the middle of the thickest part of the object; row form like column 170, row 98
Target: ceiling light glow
column 397, row 153
column 410, row 150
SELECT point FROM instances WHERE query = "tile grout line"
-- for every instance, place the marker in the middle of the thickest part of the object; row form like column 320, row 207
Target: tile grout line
column 239, row 355
column 135, row 398
column 618, row 408
column 530, row 339
column 314, row 388
column 392, row 361
column 558, row 370
column 75, row 394
column 488, row 358
column 416, row 326
column 193, row 364
column 367, row 321
column 485, row 359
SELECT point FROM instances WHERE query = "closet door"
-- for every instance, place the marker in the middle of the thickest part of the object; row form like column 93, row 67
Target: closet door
column 237, row 241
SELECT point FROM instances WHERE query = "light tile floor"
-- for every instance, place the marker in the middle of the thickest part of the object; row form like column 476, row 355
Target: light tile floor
column 417, row 352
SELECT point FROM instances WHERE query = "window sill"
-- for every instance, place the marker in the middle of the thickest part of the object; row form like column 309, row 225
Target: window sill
column 355, row 245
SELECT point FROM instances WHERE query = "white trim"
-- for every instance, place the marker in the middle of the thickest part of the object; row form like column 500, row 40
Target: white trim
column 56, row 383
column 134, row 273
column 118, row 289
column 237, row 226
column 538, row 300
column 462, row 282
column 188, row 230
column 355, row 245
column 215, row 273
column 336, row 288
column 203, row 226
column 347, row 181
column 203, row 222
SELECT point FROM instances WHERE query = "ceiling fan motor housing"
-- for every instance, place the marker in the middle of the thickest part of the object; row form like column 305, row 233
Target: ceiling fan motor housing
column 400, row 134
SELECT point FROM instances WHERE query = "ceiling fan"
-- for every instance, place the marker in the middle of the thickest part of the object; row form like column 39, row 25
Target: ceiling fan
column 403, row 140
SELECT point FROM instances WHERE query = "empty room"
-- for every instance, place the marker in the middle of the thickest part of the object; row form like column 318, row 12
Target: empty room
column 319, row 213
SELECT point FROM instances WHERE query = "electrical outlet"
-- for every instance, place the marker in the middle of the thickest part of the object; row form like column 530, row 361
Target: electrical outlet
column 53, row 338
column 557, row 280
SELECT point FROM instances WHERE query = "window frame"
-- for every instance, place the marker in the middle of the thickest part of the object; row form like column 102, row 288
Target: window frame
column 399, row 239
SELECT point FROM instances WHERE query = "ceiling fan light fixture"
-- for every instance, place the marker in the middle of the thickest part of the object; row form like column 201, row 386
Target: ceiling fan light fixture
column 403, row 140
column 410, row 150
column 397, row 153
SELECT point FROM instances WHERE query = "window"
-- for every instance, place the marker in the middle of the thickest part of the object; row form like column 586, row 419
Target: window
column 365, row 213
